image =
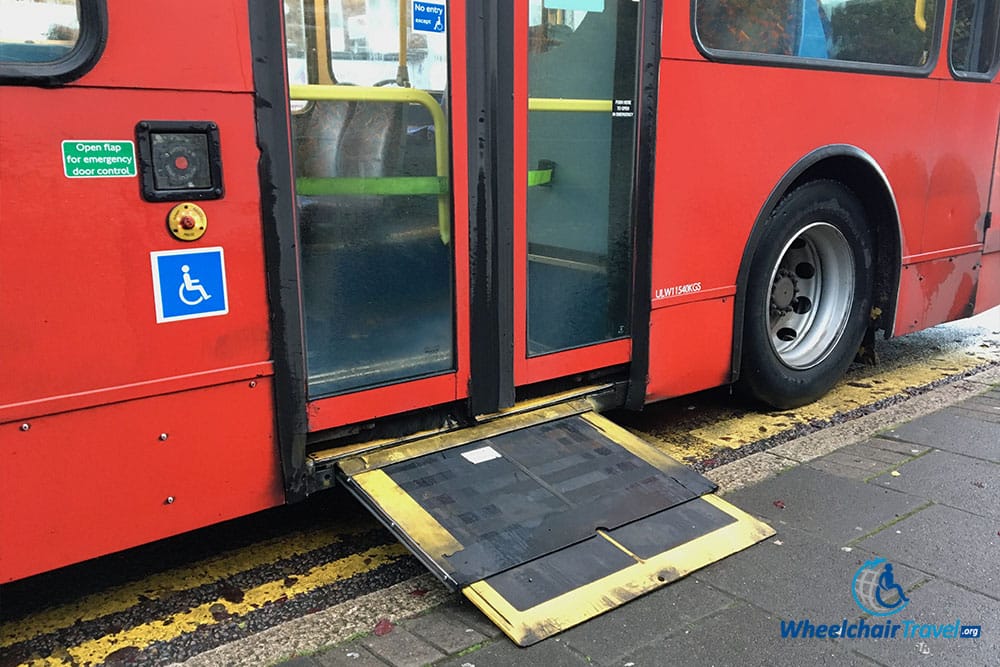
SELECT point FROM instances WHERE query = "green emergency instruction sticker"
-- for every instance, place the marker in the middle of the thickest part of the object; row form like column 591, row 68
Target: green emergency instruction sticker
column 98, row 159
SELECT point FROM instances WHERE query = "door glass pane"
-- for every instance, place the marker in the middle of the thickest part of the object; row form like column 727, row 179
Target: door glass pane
column 581, row 126
column 373, row 194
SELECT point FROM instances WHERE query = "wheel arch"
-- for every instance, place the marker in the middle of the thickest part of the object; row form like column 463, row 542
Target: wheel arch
column 859, row 172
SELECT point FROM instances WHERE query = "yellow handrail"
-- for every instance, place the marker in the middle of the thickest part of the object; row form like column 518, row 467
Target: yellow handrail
column 563, row 104
column 400, row 96
column 402, row 72
column 920, row 15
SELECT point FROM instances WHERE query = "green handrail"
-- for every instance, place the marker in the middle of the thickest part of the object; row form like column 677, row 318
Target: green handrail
column 383, row 186
column 417, row 185
column 539, row 177
column 399, row 96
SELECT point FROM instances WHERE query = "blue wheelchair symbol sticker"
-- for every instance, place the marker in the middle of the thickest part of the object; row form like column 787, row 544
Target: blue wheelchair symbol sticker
column 428, row 17
column 188, row 284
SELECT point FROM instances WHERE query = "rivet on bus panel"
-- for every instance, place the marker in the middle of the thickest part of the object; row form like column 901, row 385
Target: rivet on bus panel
column 169, row 500
column 163, row 436
column 25, row 427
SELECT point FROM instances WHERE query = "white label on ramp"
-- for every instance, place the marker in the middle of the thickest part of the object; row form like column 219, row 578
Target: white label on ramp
column 481, row 455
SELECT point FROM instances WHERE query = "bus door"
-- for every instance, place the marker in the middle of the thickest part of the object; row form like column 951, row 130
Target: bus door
column 575, row 87
column 382, row 250
column 437, row 178
column 381, row 162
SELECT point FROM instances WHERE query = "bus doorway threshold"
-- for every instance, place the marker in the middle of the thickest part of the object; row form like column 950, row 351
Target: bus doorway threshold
column 548, row 518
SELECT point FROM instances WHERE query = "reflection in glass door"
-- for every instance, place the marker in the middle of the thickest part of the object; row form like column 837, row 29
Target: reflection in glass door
column 580, row 160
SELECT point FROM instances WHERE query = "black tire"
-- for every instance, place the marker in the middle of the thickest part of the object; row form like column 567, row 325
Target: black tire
column 808, row 296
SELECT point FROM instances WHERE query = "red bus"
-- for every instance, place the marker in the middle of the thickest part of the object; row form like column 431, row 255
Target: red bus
column 249, row 250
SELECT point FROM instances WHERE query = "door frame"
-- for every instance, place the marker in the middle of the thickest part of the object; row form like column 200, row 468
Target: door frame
column 489, row 346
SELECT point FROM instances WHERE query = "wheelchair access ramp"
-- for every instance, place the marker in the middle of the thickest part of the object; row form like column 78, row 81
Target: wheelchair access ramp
column 548, row 518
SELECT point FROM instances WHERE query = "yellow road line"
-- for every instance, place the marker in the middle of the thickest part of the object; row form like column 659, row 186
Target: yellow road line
column 155, row 586
column 96, row 651
column 855, row 391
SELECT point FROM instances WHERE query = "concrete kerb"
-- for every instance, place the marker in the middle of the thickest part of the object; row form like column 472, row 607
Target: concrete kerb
column 326, row 628
column 758, row 467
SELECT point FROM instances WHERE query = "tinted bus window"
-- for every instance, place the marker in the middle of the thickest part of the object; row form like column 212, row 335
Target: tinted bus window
column 974, row 36
column 364, row 46
column 362, row 42
column 879, row 32
column 38, row 32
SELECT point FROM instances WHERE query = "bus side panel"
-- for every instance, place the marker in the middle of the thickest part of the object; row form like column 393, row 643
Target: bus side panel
column 992, row 237
column 89, row 482
column 959, row 194
column 937, row 291
column 676, row 40
column 93, row 378
column 76, row 282
column 963, row 166
column 724, row 145
column 177, row 45
column 988, row 295
column 690, row 348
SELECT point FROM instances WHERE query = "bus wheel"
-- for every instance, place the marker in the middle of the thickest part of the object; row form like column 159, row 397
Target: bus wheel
column 808, row 296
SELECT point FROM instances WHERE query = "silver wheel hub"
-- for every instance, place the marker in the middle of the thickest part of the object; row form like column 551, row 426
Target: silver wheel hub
column 812, row 290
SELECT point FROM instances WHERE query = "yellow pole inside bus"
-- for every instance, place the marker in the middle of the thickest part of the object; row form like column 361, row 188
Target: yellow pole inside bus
column 324, row 74
column 920, row 15
column 402, row 73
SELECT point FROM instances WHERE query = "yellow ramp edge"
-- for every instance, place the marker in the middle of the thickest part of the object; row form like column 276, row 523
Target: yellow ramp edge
column 563, row 612
column 423, row 529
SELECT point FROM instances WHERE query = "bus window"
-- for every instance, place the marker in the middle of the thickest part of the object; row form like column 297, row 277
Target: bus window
column 761, row 27
column 372, row 155
column 365, row 48
column 878, row 32
column 974, row 36
column 38, row 32
column 362, row 42
column 295, row 42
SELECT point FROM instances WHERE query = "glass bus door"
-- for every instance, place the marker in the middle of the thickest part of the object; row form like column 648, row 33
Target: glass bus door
column 574, row 86
column 381, row 161
column 381, row 255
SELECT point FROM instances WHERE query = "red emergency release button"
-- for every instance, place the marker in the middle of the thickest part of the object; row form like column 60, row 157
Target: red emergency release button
column 187, row 222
